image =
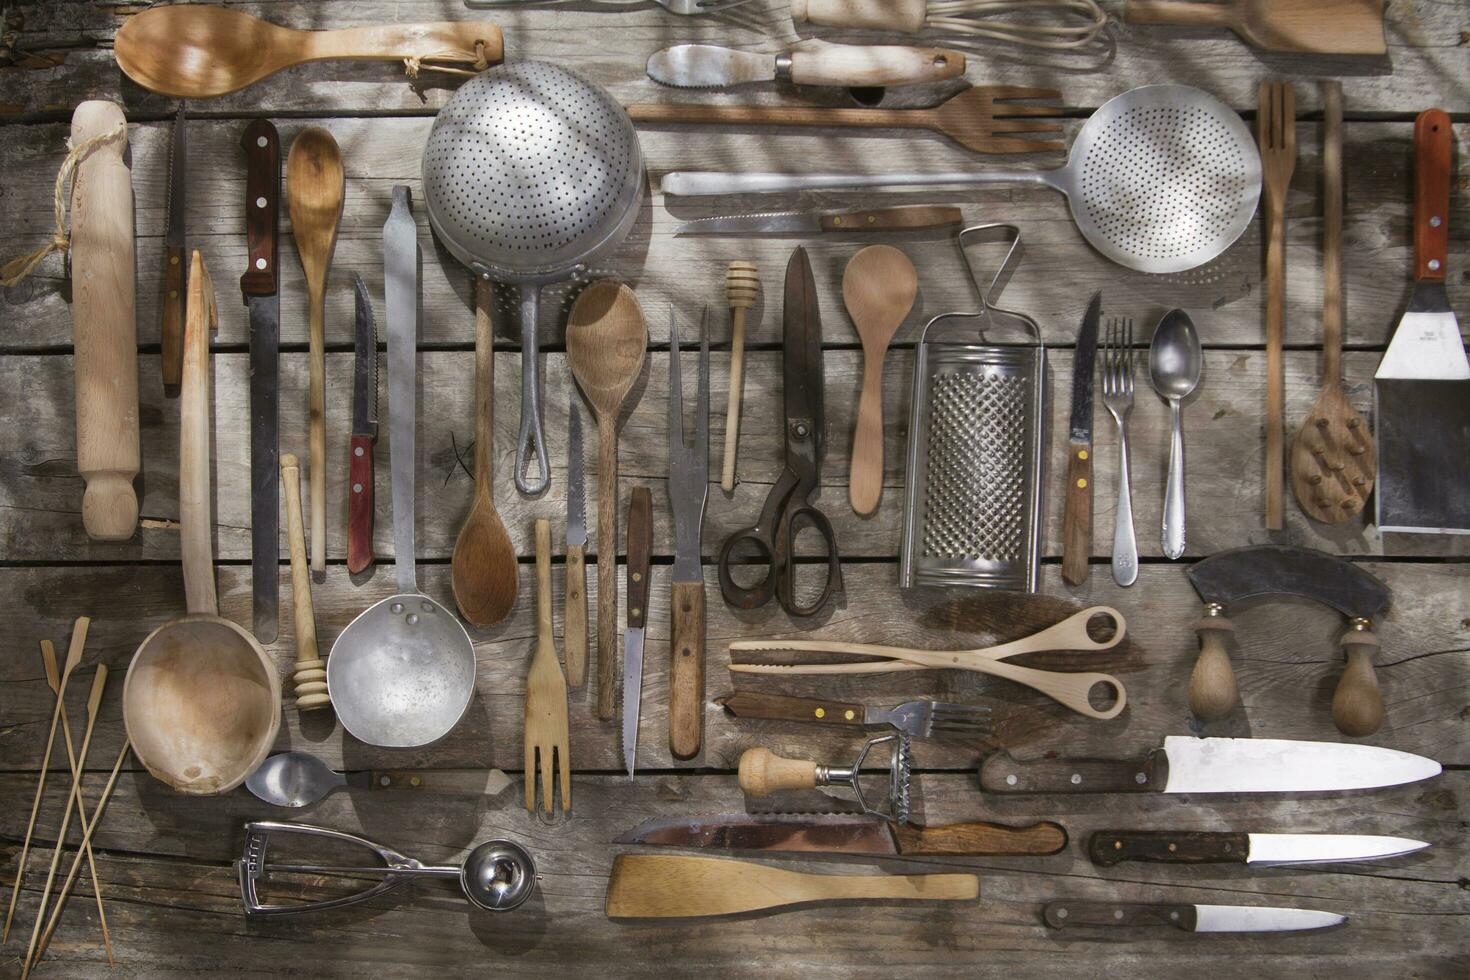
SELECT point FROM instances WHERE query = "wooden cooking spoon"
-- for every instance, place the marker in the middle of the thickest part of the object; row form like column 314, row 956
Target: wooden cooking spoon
column 198, row 51
column 1333, row 460
column 606, row 340
column 878, row 288
column 315, row 185
column 483, row 568
column 1310, row 26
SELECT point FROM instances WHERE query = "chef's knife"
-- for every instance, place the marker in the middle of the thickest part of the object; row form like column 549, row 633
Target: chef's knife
column 709, row 66
column 259, row 285
column 1190, row 918
column 1110, row 847
column 912, row 217
column 576, row 593
column 1215, row 765
column 640, row 548
column 845, row 834
column 364, row 430
column 175, row 269
column 1077, row 516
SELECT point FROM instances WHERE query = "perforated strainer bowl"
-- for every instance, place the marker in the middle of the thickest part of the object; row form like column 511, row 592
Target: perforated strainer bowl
column 531, row 174
column 1162, row 178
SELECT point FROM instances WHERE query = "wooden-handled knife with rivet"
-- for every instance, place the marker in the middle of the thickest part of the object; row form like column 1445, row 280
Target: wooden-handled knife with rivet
column 1077, row 515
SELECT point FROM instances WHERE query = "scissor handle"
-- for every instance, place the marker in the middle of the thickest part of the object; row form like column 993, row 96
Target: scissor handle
column 792, row 523
column 735, row 594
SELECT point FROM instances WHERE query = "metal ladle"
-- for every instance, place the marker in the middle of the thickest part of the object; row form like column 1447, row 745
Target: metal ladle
column 1174, row 361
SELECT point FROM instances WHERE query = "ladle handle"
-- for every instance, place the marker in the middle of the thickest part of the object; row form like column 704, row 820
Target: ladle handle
column 533, row 432
column 195, row 520
column 696, row 182
column 400, row 293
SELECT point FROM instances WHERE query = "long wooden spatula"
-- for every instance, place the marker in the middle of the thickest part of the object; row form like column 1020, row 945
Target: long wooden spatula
column 1307, row 26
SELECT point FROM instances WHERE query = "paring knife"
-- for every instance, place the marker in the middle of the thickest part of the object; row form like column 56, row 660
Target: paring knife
column 845, row 834
column 640, row 549
column 909, row 218
column 576, row 589
column 1110, row 847
column 175, row 269
column 1077, row 516
column 1190, row 918
column 688, row 492
column 709, row 66
column 259, row 284
column 364, row 431
column 1215, row 765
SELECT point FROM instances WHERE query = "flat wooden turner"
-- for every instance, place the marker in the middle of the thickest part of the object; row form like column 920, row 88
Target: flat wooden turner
column 1307, row 26
column 659, row 886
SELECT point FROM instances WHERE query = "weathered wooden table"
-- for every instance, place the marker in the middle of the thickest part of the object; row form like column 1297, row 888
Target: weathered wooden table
column 165, row 860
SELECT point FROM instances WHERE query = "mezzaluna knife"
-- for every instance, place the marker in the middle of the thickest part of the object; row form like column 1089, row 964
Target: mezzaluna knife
column 576, row 590
column 364, row 430
column 813, row 63
column 1190, row 918
column 1215, row 765
column 260, row 286
column 175, row 269
column 1110, row 847
column 846, row 834
column 910, row 218
column 640, row 549
column 1077, row 515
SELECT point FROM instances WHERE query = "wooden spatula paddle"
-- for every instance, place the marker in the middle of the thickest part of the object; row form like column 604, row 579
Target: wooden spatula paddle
column 658, row 886
column 1308, row 26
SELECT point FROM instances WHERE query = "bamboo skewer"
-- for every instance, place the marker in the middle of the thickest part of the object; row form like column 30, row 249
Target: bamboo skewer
column 76, row 797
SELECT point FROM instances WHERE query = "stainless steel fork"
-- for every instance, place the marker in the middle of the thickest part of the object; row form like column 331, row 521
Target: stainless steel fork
column 1117, row 384
column 684, row 7
column 923, row 719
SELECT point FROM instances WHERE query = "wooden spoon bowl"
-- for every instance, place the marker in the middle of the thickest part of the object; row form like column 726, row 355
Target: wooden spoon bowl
column 1333, row 459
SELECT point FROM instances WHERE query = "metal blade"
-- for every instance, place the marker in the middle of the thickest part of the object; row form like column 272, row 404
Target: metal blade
column 1267, row 849
column 1275, row 765
column 1247, row 918
column 1276, row 570
column 576, row 481
column 709, row 66
column 364, row 363
column 833, row 834
column 1080, row 429
column 775, row 223
column 178, row 178
column 802, row 378
column 265, row 464
column 632, row 695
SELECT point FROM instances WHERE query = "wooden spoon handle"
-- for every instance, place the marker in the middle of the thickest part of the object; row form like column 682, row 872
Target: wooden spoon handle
column 1331, row 231
column 310, row 677
column 457, row 41
column 484, row 385
column 195, row 518
column 607, row 565
column 901, row 16
column 865, row 480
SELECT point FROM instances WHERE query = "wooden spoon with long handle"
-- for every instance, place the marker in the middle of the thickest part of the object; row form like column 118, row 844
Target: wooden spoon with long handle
column 607, row 339
column 655, row 886
column 742, row 285
column 879, row 287
column 1333, row 460
column 1276, row 134
column 310, row 677
column 194, row 51
column 483, row 569
column 315, row 186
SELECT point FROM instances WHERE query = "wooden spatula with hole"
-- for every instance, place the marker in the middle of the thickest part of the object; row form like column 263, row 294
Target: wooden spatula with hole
column 1307, row 26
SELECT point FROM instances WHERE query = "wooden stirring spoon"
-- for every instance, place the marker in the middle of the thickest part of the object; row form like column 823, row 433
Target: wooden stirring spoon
column 606, row 341
column 315, row 186
column 1333, row 460
column 878, row 287
column 483, row 568
column 198, row 51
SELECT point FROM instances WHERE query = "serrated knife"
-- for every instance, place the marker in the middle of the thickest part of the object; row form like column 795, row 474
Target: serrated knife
column 576, row 588
column 175, row 270
column 1215, row 765
column 1110, row 847
column 911, row 218
column 364, row 430
column 1077, row 512
column 640, row 549
column 710, row 66
column 1190, row 918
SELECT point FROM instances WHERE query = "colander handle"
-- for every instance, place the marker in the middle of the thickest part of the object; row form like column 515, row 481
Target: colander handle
column 533, row 432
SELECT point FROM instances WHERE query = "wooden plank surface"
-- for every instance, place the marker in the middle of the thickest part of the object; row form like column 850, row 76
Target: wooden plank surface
column 164, row 860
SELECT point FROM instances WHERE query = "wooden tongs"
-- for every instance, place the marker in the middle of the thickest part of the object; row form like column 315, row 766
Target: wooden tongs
column 1069, row 689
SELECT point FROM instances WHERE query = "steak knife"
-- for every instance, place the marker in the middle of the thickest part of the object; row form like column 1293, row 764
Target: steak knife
column 909, row 218
column 364, row 430
column 175, row 269
column 260, row 287
column 710, row 66
column 1110, row 847
column 640, row 548
column 1077, row 515
column 1190, row 918
column 1215, row 765
column 576, row 588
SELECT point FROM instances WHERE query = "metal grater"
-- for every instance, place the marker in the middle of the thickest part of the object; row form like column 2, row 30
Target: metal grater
column 972, row 488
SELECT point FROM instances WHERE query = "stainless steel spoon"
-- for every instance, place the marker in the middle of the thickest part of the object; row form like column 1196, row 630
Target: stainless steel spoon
column 297, row 779
column 1174, row 361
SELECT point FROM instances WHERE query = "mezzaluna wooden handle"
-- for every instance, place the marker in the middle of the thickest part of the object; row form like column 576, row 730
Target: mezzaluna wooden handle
column 454, row 41
column 196, row 520
column 1212, row 690
column 575, row 616
column 1000, row 773
column 1077, row 514
column 894, row 219
column 874, row 65
column 171, row 321
column 1433, row 147
column 1357, row 705
column 763, row 772
column 1061, row 914
column 1110, row 847
column 901, row 16
column 779, row 707
column 310, row 676
column 979, row 839
column 686, row 670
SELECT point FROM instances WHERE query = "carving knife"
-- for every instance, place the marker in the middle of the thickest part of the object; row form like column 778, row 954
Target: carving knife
column 1110, row 847
column 576, row 589
column 640, row 548
column 259, row 285
column 913, row 217
column 175, row 269
column 688, row 492
column 364, row 430
column 1190, row 918
column 1077, row 515
column 814, row 63
column 845, row 834
column 1215, row 765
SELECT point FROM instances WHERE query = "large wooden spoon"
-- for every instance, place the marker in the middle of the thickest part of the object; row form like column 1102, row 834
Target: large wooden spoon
column 879, row 288
column 198, row 51
column 606, row 340
column 483, row 568
column 315, row 185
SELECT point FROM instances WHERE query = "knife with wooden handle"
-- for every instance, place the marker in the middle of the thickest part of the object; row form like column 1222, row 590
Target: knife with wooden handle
column 1077, row 515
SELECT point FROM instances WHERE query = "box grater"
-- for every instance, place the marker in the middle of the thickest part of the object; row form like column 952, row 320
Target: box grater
column 972, row 485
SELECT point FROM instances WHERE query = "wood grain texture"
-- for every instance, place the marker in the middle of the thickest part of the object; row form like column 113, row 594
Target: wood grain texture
column 1077, row 513
column 686, row 669
column 1110, row 847
column 1341, row 27
column 310, row 677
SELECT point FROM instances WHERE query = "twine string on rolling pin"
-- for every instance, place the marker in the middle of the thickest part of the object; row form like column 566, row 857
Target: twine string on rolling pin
column 18, row 268
column 416, row 63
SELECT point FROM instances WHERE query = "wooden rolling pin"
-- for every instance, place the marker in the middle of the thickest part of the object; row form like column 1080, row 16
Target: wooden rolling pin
column 310, row 677
column 105, row 329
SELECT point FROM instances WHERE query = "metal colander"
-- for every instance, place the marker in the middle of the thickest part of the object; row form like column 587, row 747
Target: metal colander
column 532, row 173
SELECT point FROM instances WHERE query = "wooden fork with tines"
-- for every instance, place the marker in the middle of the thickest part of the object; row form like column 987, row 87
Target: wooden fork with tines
column 1276, row 134
column 547, row 730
